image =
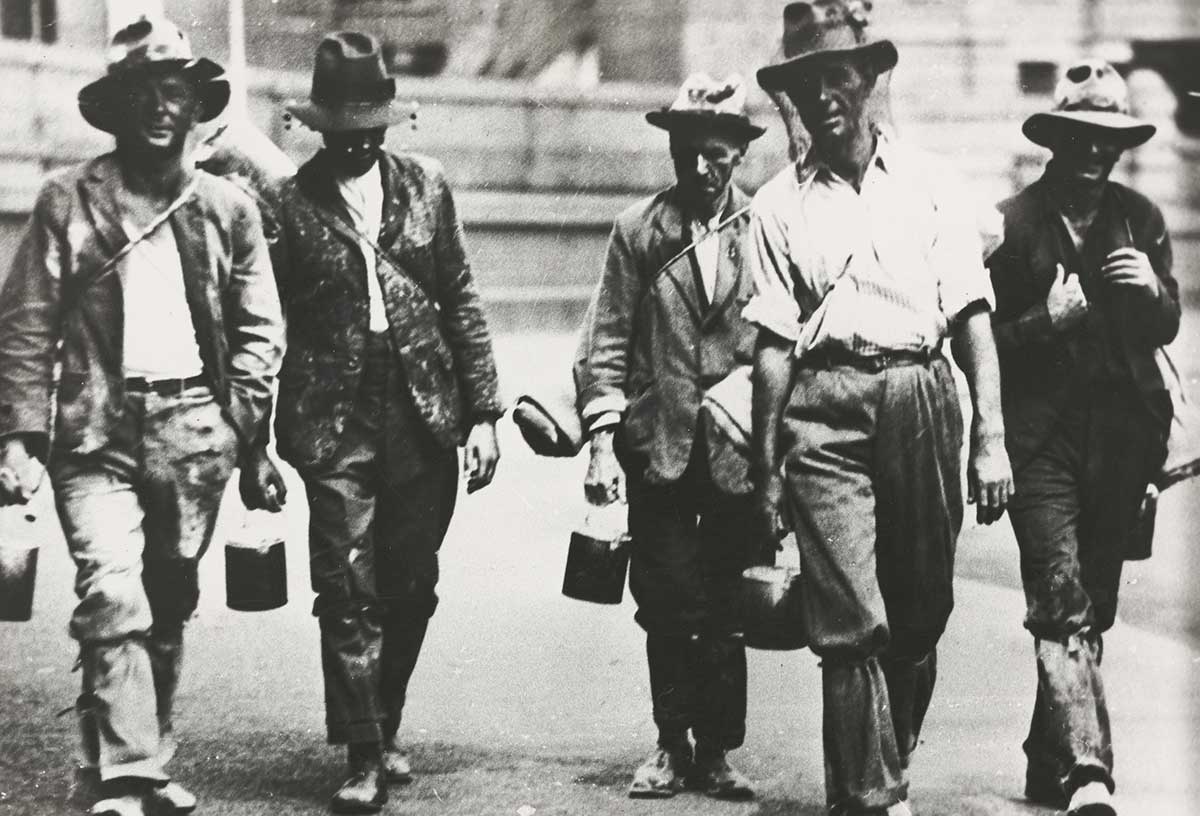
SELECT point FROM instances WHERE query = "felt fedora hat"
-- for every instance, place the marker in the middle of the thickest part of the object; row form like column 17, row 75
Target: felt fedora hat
column 824, row 30
column 703, row 102
column 149, row 45
column 351, row 89
column 1090, row 98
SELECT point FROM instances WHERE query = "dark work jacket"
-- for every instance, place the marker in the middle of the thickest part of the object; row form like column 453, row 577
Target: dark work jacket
column 650, row 347
column 435, row 318
column 230, row 294
column 1041, row 368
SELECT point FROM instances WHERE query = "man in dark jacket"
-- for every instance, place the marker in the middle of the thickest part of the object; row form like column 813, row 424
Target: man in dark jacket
column 665, row 324
column 1084, row 297
column 389, row 369
column 148, row 284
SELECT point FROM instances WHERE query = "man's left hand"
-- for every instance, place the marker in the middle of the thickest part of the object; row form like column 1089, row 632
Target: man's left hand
column 261, row 484
column 1130, row 267
column 481, row 455
column 989, row 478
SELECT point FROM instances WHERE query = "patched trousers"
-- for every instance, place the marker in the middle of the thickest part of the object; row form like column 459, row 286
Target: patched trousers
column 872, row 465
column 1076, row 506
column 374, row 542
column 138, row 515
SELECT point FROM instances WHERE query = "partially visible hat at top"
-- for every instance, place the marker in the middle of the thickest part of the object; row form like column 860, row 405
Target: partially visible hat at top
column 1091, row 96
column 146, row 45
column 824, row 30
column 351, row 89
column 704, row 102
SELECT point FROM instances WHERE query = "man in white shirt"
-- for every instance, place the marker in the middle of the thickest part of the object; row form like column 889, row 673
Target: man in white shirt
column 863, row 262
column 664, row 325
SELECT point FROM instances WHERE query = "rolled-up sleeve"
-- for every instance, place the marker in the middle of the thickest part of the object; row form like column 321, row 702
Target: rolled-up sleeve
column 957, row 253
column 773, row 306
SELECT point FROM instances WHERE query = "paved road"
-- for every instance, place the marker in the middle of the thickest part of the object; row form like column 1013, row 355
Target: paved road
column 525, row 699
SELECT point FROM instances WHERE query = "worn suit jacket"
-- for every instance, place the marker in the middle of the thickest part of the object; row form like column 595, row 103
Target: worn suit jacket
column 651, row 349
column 73, row 231
column 1042, row 368
column 434, row 312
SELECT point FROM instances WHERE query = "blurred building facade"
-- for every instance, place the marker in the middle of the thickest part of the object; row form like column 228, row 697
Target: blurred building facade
column 536, row 106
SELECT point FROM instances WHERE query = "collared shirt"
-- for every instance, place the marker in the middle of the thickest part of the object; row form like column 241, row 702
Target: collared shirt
column 708, row 251
column 904, row 252
column 363, row 196
column 160, row 341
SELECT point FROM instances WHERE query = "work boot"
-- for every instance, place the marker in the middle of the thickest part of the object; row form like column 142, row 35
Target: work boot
column 1092, row 799
column 365, row 791
column 396, row 767
column 123, row 797
column 662, row 775
column 173, row 798
column 713, row 775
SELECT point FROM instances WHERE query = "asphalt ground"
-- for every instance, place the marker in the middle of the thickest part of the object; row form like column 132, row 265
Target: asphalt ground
column 526, row 702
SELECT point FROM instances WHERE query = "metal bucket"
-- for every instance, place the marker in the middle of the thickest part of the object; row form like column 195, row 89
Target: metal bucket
column 18, row 564
column 596, row 568
column 772, row 608
column 255, row 564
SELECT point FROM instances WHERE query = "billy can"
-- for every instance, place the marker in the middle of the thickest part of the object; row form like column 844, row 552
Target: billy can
column 18, row 562
column 772, row 607
column 598, row 556
column 255, row 564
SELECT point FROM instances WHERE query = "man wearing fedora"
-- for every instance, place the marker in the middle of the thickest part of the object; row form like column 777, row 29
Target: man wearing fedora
column 664, row 325
column 865, row 259
column 147, row 283
column 1084, row 298
column 389, row 369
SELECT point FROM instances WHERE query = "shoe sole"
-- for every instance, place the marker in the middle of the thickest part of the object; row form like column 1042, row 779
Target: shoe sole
column 1098, row 809
column 739, row 795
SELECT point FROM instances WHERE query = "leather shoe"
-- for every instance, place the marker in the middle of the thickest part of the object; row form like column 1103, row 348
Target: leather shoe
column 127, row 805
column 713, row 775
column 662, row 775
column 365, row 790
column 396, row 767
column 174, row 798
column 1092, row 799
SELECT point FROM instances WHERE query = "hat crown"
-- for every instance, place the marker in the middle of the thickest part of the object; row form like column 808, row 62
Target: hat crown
column 824, row 25
column 349, row 70
column 1092, row 85
column 700, row 93
column 146, row 41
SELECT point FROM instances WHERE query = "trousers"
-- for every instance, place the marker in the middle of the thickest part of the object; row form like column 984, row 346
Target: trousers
column 688, row 552
column 374, row 542
column 1076, row 507
column 872, row 465
column 138, row 515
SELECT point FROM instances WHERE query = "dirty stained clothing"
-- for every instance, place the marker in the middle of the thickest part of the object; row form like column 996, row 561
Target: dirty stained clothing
column 1086, row 415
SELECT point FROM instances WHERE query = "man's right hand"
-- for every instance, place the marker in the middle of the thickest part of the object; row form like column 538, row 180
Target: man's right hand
column 768, row 509
column 20, row 473
column 1065, row 301
column 261, row 484
column 605, row 480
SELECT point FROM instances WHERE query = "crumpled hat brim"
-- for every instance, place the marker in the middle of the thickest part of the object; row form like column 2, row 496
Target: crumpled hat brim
column 776, row 77
column 364, row 116
column 98, row 100
column 692, row 119
column 1041, row 128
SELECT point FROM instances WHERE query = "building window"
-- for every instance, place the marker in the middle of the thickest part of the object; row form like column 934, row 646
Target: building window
column 29, row 20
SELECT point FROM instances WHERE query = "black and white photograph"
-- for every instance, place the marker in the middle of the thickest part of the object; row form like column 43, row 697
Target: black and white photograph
column 600, row 407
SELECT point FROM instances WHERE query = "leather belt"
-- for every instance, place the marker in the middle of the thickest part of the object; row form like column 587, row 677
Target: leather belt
column 871, row 363
column 164, row 388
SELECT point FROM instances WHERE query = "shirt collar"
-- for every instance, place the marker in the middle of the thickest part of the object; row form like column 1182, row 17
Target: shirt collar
column 812, row 165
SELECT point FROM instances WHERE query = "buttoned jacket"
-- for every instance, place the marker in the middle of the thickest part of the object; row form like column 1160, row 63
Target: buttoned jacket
column 651, row 347
column 1041, row 367
column 435, row 316
column 74, row 229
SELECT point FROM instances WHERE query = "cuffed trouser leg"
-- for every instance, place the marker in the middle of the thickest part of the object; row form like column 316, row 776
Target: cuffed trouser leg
column 872, row 467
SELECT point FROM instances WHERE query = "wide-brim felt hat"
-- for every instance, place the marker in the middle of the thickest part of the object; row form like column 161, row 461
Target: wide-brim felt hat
column 150, row 45
column 704, row 103
column 822, row 31
column 1090, row 99
column 351, row 89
